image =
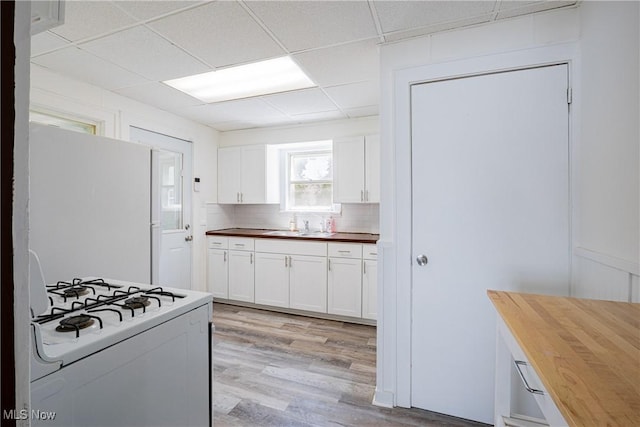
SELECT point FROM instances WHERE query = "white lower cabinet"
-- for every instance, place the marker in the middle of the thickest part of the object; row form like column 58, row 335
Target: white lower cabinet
column 272, row 279
column 369, row 282
column 241, row 270
column 345, row 279
column 308, row 283
column 292, row 274
column 217, row 267
column 334, row 278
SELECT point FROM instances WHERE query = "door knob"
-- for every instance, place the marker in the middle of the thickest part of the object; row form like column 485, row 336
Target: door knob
column 422, row 260
column 188, row 238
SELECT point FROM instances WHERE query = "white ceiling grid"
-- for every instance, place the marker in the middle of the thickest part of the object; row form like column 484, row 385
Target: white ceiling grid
column 130, row 47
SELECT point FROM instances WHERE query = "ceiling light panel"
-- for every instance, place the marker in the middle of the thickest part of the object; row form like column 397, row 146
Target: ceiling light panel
column 244, row 81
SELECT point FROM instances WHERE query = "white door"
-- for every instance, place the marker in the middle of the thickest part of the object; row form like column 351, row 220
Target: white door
column 345, row 287
column 171, row 233
column 241, row 276
column 272, row 279
column 308, row 283
column 490, row 211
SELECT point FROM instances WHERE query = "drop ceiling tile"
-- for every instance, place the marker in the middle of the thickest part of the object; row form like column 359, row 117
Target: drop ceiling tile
column 142, row 51
column 348, row 63
column 303, row 25
column 220, row 33
column 159, row 95
column 46, row 41
column 405, row 15
column 355, row 95
column 314, row 117
column 149, row 9
column 371, row 110
column 86, row 67
column 244, row 110
column 229, row 126
column 84, row 19
column 431, row 29
column 532, row 8
column 301, row 101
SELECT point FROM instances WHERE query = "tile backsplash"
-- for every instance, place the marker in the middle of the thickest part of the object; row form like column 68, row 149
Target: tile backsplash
column 354, row 218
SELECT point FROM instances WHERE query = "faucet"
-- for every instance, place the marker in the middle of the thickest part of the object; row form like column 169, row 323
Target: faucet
column 306, row 226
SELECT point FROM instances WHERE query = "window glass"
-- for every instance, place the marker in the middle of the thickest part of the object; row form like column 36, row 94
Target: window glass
column 310, row 181
column 62, row 122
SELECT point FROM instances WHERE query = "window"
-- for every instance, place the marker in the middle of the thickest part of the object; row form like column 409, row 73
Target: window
column 62, row 122
column 308, row 178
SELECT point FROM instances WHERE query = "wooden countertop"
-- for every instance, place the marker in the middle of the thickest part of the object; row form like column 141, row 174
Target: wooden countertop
column 261, row 233
column 586, row 353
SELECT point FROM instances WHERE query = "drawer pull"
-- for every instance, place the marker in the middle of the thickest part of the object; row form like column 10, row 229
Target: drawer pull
column 239, row 244
column 524, row 381
column 344, row 252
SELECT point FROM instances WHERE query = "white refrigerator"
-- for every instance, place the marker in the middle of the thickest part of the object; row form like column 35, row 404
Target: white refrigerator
column 90, row 205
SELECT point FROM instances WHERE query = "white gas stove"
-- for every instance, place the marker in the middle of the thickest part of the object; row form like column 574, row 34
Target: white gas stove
column 146, row 350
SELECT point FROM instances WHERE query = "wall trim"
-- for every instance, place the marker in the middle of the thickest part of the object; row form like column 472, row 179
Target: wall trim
column 625, row 265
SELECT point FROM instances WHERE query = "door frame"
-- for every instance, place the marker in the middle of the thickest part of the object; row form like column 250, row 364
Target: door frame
column 187, row 189
column 393, row 385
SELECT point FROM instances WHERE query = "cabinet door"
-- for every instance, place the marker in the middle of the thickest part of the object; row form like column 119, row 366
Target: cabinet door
column 348, row 170
column 272, row 279
column 253, row 175
column 345, row 287
column 369, row 289
column 241, row 276
column 372, row 169
column 229, row 175
column 308, row 283
column 217, row 273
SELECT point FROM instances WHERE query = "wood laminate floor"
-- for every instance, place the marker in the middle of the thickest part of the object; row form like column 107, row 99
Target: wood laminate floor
column 274, row 369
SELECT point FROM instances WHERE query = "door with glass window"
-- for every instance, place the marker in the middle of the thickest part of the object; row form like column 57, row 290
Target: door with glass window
column 171, row 233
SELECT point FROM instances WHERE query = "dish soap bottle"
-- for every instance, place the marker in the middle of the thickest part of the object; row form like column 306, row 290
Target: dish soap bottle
column 292, row 224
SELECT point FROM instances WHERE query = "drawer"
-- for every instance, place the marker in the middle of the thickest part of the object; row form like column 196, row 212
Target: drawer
column 291, row 247
column 217, row 242
column 370, row 252
column 345, row 250
column 241, row 243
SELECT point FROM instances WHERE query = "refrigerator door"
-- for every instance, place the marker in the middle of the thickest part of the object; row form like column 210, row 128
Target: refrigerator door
column 89, row 205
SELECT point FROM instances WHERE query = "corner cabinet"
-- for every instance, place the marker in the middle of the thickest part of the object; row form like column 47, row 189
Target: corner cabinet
column 248, row 174
column 356, row 169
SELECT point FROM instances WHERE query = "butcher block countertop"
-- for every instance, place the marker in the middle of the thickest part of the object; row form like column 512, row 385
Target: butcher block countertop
column 586, row 353
column 283, row 234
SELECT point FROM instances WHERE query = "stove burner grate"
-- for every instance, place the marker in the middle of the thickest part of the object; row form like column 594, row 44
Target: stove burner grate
column 75, row 291
column 137, row 302
column 75, row 323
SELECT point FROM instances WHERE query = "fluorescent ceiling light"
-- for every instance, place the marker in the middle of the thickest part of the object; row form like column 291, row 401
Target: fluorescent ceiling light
column 244, row 81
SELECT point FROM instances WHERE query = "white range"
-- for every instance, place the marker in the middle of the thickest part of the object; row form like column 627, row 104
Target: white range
column 114, row 353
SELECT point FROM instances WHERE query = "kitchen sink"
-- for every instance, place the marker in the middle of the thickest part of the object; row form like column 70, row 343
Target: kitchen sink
column 298, row 233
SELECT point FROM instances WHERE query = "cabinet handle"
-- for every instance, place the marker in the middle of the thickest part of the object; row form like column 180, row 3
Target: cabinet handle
column 225, row 256
column 241, row 197
column 239, row 244
column 344, row 252
column 251, row 258
column 329, row 263
column 524, row 381
column 238, row 197
column 366, row 195
column 361, row 195
column 364, row 268
column 286, row 261
column 290, row 262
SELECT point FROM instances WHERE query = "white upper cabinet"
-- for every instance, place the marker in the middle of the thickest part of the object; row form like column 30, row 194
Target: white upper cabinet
column 248, row 174
column 356, row 168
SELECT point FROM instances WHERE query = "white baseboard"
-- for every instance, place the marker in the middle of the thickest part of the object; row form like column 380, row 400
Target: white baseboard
column 383, row 398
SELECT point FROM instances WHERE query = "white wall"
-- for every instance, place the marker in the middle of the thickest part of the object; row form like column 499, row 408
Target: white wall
column 51, row 91
column 607, row 254
column 605, row 157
